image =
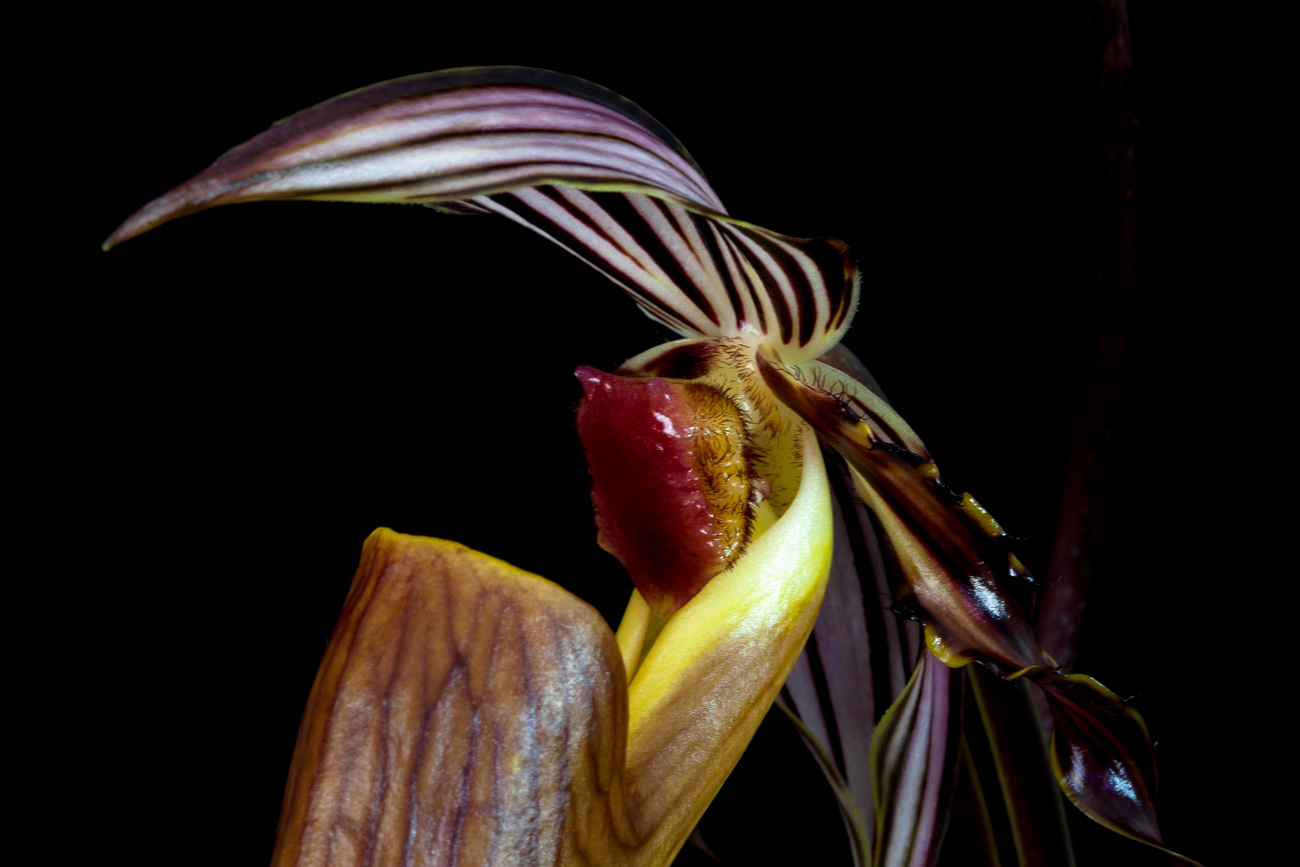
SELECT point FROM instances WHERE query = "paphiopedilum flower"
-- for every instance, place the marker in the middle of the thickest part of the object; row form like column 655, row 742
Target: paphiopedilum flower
column 469, row 713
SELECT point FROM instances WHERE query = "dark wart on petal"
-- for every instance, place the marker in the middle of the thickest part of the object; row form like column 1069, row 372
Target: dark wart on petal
column 671, row 480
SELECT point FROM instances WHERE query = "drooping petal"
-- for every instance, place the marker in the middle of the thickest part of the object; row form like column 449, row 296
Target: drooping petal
column 564, row 157
column 953, row 555
column 855, row 665
column 971, row 591
column 1103, row 756
column 859, row 657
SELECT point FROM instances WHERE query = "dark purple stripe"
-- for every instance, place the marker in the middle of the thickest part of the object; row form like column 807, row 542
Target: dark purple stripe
column 813, row 652
column 707, row 228
column 830, row 260
column 413, row 87
column 469, row 192
column 486, row 136
column 622, row 212
column 525, row 213
column 555, row 196
column 873, row 606
column 738, row 253
column 833, row 260
column 780, row 305
column 845, row 309
column 882, row 430
column 675, row 214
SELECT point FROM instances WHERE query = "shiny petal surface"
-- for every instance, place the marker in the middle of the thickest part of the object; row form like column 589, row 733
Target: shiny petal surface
column 672, row 480
column 566, row 158
column 958, row 571
column 970, row 591
column 1103, row 756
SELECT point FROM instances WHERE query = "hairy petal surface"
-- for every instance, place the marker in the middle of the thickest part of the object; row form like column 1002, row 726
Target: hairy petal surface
column 583, row 166
column 956, row 566
column 671, row 480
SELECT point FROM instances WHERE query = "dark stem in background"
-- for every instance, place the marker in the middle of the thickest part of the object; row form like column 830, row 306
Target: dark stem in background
column 1103, row 323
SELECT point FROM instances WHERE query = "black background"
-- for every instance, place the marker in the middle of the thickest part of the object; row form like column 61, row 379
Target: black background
column 236, row 399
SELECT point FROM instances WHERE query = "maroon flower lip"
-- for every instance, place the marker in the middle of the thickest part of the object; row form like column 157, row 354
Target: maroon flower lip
column 673, row 484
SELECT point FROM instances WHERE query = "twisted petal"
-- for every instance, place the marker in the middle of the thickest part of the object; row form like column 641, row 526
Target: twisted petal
column 581, row 165
column 957, row 569
column 962, row 581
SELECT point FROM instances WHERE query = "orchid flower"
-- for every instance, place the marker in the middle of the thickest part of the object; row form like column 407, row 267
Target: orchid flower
column 467, row 712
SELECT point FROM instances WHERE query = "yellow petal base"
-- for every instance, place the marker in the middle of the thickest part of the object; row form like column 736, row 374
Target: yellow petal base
column 469, row 713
